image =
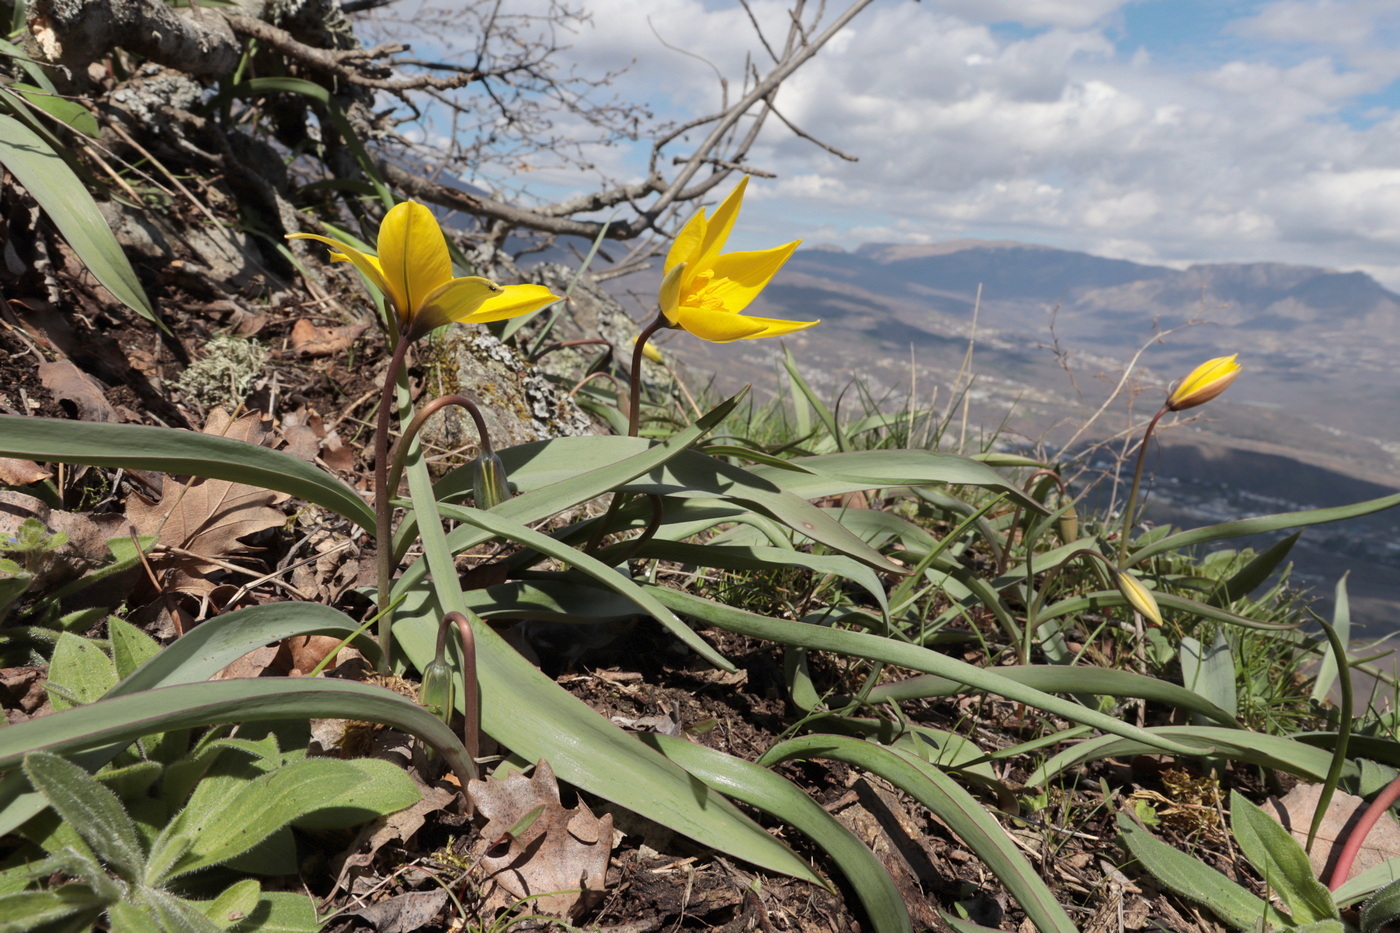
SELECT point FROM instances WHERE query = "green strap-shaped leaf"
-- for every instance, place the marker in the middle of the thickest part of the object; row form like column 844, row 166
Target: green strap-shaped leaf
column 1269, row 751
column 608, row 577
column 167, row 450
column 1264, row 523
column 1057, row 678
column 914, row 657
column 68, row 204
column 775, row 795
column 950, row 802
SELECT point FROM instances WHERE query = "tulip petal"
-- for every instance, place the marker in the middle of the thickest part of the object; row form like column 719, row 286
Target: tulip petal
column 772, row 327
column 717, row 326
column 413, row 254
column 366, row 263
column 739, row 277
column 686, row 246
column 719, row 226
column 669, row 296
column 513, row 301
column 458, row 300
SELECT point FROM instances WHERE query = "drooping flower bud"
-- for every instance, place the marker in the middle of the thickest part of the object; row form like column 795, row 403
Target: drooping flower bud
column 435, row 693
column 1204, row 383
column 489, row 486
column 1139, row 597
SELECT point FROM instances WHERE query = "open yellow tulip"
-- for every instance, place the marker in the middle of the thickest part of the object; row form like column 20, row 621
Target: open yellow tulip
column 414, row 271
column 704, row 291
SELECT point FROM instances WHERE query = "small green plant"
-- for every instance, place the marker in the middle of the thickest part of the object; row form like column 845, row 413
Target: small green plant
column 1303, row 902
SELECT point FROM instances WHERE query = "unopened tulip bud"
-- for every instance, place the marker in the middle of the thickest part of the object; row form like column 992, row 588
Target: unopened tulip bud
column 435, row 694
column 1069, row 524
column 1204, row 383
column 1139, row 597
column 489, row 486
column 650, row 352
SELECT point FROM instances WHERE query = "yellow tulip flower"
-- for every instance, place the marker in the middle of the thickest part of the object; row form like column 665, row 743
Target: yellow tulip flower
column 705, row 291
column 1204, row 383
column 414, row 271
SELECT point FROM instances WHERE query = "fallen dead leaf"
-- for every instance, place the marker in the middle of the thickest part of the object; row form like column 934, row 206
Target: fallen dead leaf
column 69, row 383
column 17, row 472
column 560, row 860
column 312, row 340
column 208, row 517
column 88, row 535
column 302, row 653
column 1295, row 812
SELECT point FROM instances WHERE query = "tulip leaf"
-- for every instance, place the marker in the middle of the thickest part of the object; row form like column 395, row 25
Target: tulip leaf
column 1260, row 525
column 773, row 794
column 1267, row 751
column 951, row 803
column 607, row 576
column 186, row 453
column 876, row 648
column 1057, row 678
column 68, row 204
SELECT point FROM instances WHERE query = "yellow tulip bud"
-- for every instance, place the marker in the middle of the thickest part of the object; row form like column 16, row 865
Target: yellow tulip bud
column 1204, row 383
column 1139, row 597
column 650, row 352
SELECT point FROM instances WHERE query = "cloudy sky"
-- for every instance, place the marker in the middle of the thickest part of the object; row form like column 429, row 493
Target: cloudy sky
column 1170, row 131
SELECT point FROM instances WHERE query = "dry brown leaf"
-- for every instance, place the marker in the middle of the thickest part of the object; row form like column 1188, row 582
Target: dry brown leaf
column 1295, row 812
column 311, row 340
column 68, row 382
column 560, row 859
column 302, row 653
column 208, row 517
column 17, row 472
column 86, row 548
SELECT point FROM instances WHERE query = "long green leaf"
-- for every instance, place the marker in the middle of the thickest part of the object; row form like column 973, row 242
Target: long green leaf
column 1253, row 574
column 1056, row 678
column 196, row 656
column 775, row 795
column 68, row 204
column 211, row 646
column 875, row 648
column 167, row 450
column 609, row 577
column 91, row 809
column 836, row 474
column 187, row 706
column 969, row 820
column 1269, row 751
column 1260, row 525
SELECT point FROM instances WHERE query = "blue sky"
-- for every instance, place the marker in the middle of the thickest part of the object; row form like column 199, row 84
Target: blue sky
column 1164, row 131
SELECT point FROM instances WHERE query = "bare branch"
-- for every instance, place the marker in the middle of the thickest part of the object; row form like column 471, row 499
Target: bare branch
column 342, row 63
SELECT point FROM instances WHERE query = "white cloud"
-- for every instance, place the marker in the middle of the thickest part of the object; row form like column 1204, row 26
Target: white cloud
column 1057, row 133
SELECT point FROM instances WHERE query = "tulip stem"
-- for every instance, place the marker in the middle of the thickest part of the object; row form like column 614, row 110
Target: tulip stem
column 634, row 407
column 1131, row 505
column 383, row 511
column 400, row 451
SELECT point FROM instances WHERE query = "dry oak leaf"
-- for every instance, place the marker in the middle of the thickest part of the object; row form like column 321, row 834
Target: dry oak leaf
column 560, row 859
column 208, row 517
column 1295, row 812
column 310, row 340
